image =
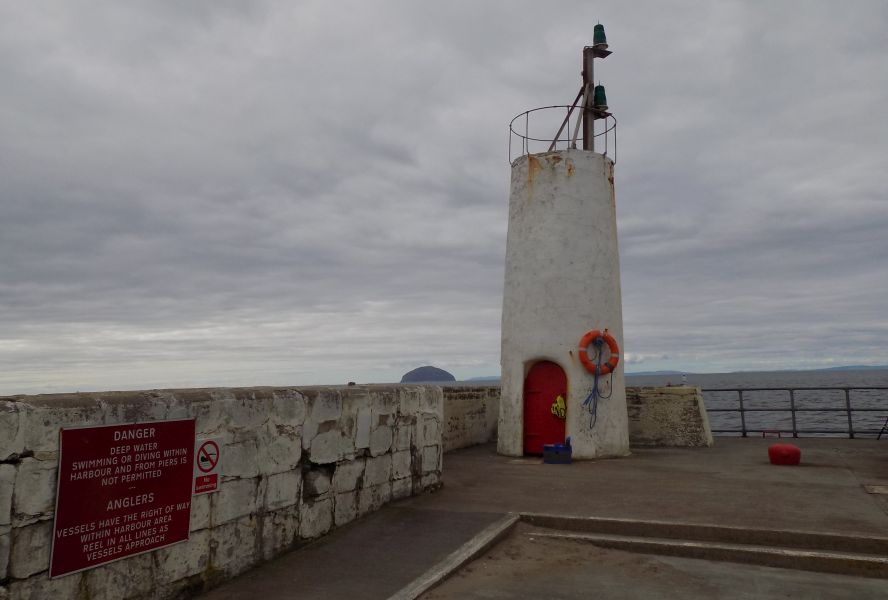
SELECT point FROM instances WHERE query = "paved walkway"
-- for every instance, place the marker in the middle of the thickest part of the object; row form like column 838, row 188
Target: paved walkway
column 730, row 484
column 524, row 566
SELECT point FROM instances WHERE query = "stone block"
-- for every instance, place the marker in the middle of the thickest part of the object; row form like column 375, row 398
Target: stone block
column 179, row 408
column 249, row 409
column 317, row 482
column 401, row 462
column 346, row 507
column 127, row 578
column 403, row 434
column 402, row 488
column 380, row 440
column 183, row 560
column 236, row 498
column 5, row 537
column 7, row 479
column 211, row 414
column 383, row 401
column 282, row 490
column 431, row 432
column 200, row 511
column 132, row 407
column 315, row 518
column 30, row 549
column 378, row 470
column 348, row 475
column 372, row 498
column 430, row 458
column 42, row 423
column 326, row 405
column 288, row 408
column 279, row 448
column 12, row 434
column 240, row 459
column 409, row 400
column 330, row 447
column 432, row 401
column 429, row 481
column 362, row 431
column 35, row 489
column 43, row 588
column 234, row 546
column 279, row 531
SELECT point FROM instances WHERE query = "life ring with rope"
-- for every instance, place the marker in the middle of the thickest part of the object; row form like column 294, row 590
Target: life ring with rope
column 598, row 338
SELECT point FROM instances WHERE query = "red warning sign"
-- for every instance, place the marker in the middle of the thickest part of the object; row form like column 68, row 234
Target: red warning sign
column 206, row 466
column 122, row 490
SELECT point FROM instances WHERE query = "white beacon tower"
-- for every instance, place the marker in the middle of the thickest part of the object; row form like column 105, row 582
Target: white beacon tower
column 562, row 328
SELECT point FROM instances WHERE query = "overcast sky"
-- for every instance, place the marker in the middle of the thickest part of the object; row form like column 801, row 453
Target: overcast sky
column 272, row 193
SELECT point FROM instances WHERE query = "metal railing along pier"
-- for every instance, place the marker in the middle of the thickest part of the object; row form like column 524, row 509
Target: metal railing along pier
column 799, row 411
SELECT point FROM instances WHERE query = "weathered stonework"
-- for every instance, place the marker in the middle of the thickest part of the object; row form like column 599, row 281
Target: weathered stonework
column 315, row 518
column 236, row 498
column 183, row 560
column 296, row 462
column 345, row 507
column 7, row 484
column 470, row 416
column 348, row 475
column 12, row 434
column 282, row 490
column 122, row 580
column 5, row 539
column 668, row 416
column 29, row 552
column 234, row 545
column 280, row 530
column 35, row 485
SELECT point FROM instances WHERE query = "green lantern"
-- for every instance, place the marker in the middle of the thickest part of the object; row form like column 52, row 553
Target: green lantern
column 599, row 100
column 598, row 37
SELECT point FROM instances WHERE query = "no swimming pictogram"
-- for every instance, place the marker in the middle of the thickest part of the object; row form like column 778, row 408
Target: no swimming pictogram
column 207, row 467
column 208, row 456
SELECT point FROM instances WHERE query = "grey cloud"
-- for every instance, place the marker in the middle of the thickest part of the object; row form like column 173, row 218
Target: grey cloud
column 280, row 193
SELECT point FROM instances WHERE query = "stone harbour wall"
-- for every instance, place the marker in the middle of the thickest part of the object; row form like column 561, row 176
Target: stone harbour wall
column 658, row 416
column 668, row 416
column 470, row 416
column 296, row 463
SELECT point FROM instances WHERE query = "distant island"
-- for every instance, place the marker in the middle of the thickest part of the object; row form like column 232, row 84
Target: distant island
column 427, row 374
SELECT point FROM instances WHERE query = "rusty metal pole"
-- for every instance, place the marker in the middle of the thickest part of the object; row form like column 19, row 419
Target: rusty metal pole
column 588, row 87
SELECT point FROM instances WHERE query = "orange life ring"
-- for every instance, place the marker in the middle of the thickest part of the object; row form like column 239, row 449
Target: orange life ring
column 611, row 364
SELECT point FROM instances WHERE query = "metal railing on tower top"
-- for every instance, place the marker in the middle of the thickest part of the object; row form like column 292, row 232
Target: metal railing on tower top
column 531, row 131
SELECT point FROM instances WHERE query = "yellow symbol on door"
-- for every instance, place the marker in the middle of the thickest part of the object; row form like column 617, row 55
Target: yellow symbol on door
column 559, row 409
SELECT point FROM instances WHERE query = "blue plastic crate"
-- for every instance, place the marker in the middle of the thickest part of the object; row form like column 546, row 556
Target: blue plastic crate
column 557, row 454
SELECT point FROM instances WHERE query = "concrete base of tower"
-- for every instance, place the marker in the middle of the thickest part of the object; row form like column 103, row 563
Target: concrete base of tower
column 607, row 437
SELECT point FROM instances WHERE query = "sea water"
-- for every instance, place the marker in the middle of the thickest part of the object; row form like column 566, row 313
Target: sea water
column 815, row 401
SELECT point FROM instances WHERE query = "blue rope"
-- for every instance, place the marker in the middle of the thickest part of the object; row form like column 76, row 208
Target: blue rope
column 591, row 401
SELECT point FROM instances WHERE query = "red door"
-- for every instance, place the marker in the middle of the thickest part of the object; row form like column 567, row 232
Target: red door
column 545, row 382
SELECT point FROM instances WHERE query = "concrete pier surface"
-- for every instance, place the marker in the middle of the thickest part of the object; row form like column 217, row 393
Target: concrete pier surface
column 729, row 485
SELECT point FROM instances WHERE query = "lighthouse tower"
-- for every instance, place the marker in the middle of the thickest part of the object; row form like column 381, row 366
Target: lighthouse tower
column 562, row 328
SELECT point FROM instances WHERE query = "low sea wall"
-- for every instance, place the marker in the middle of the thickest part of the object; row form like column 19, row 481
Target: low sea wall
column 471, row 414
column 667, row 416
column 658, row 416
column 295, row 463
